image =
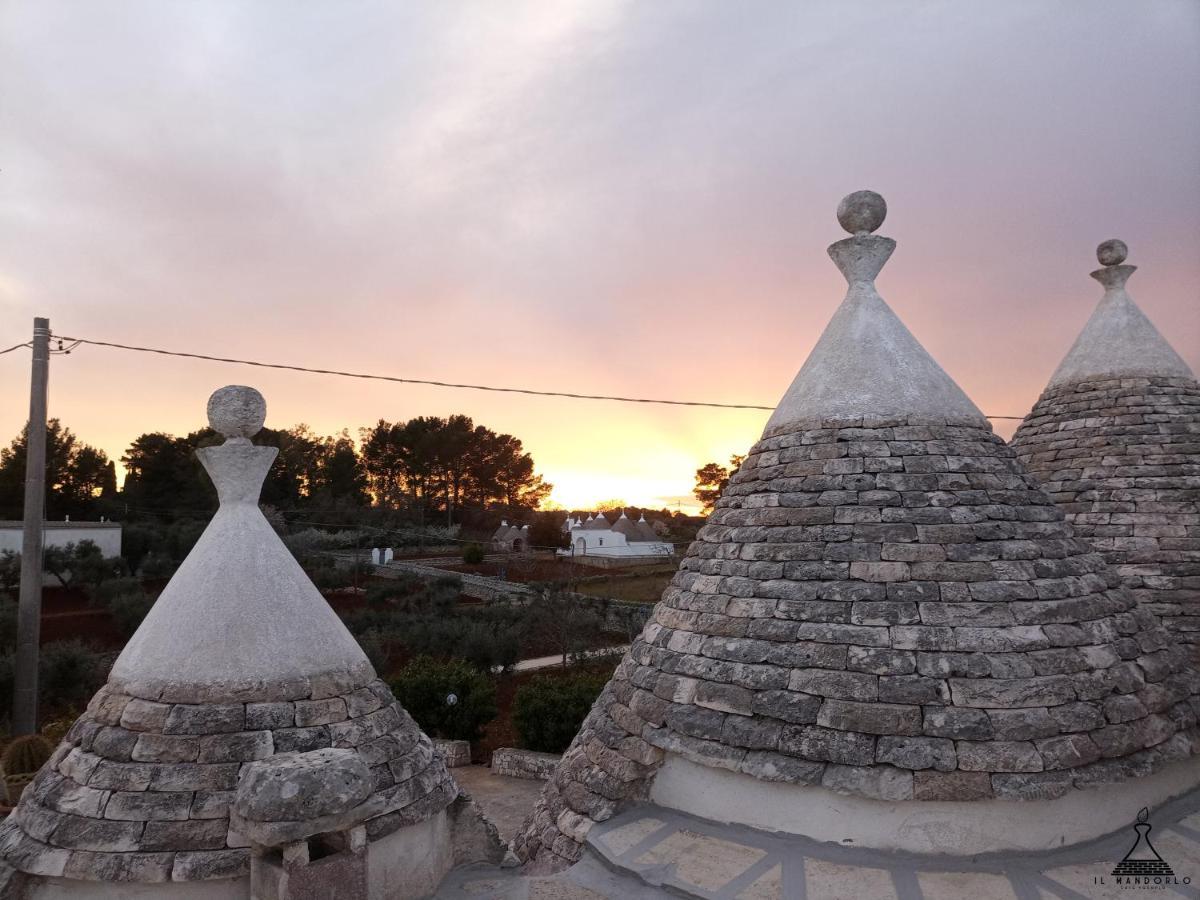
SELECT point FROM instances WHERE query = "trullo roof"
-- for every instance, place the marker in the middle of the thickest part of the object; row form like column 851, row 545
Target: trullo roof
column 883, row 603
column 1113, row 440
column 239, row 659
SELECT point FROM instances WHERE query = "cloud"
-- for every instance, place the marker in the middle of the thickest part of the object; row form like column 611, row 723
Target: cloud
column 613, row 197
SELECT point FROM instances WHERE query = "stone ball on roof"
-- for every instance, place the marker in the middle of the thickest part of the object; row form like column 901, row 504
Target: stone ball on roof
column 237, row 411
column 1112, row 252
column 861, row 212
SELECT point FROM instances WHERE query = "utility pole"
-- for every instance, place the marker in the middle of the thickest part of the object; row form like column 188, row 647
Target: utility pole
column 29, row 614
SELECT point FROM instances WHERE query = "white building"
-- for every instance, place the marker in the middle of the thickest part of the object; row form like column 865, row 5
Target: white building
column 624, row 539
column 105, row 535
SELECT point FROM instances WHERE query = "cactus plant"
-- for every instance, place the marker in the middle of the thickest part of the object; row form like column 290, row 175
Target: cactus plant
column 14, row 786
column 26, row 754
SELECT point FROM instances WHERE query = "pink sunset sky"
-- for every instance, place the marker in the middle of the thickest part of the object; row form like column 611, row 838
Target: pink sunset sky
column 601, row 197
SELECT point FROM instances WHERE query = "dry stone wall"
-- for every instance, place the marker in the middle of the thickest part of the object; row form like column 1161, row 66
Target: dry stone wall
column 889, row 608
column 1121, row 458
column 517, row 763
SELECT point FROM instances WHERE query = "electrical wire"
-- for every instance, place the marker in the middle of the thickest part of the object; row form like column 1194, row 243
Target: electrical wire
column 15, row 347
column 446, row 384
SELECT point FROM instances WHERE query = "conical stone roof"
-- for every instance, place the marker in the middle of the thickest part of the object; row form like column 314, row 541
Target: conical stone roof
column 646, row 532
column 883, row 604
column 239, row 659
column 1115, row 440
column 626, row 526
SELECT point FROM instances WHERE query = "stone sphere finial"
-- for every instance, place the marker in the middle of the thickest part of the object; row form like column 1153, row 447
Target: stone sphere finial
column 862, row 212
column 237, row 411
column 1112, row 252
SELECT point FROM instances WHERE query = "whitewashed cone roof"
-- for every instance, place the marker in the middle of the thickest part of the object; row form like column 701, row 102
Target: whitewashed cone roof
column 866, row 362
column 240, row 613
column 1119, row 340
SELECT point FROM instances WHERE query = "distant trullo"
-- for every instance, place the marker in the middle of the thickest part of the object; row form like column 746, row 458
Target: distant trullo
column 885, row 634
column 240, row 727
column 1115, row 441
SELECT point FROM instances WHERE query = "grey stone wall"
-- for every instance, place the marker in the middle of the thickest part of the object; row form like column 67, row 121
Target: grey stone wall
column 455, row 753
column 140, row 790
column 480, row 587
column 1121, row 458
column 517, row 763
column 889, row 608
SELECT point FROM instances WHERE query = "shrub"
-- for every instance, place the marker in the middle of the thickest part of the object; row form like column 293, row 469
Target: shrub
column 116, row 587
column 8, row 662
column 137, row 541
column 424, row 686
column 10, row 571
column 375, row 644
column 329, row 574
column 326, row 574
column 68, row 674
column 380, row 593
column 565, row 623
column 313, row 540
column 548, row 711
column 472, row 554
column 8, row 623
column 181, row 536
column 413, row 594
column 26, row 754
column 93, row 569
column 158, row 565
column 128, row 610
column 56, row 729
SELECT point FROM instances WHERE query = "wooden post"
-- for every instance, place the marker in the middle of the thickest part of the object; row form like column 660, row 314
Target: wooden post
column 29, row 615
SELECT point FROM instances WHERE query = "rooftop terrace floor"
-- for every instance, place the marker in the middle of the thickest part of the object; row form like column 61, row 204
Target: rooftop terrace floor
column 652, row 852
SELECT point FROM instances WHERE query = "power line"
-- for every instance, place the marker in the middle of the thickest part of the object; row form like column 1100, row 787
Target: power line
column 398, row 380
column 75, row 342
column 15, row 347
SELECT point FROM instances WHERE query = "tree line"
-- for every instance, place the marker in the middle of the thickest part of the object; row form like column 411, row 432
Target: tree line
column 426, row 468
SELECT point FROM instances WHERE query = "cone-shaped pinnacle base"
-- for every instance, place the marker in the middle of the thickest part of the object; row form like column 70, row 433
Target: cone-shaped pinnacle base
column 240, row 618
column 867, row 363
column 1118, row 341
